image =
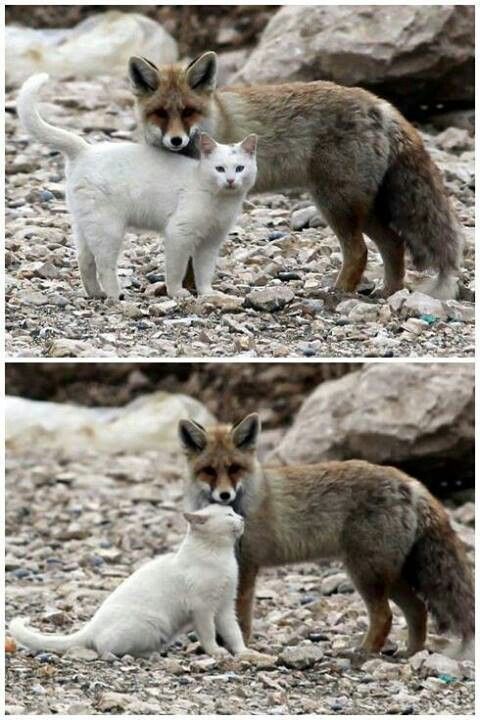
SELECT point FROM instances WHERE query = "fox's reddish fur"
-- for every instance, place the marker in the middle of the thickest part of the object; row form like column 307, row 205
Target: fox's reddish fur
column 392, row 535
column 365, row 165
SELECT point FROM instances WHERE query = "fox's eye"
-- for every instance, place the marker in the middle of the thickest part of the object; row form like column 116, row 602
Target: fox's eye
column 161, row 113
column 210, row 471
column 220, row 168
column 188, row 112
column 239, row 168
column 234, row 469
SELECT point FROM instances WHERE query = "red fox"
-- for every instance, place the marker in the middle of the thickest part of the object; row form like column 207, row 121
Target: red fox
column 365, row 165
column 392, row 535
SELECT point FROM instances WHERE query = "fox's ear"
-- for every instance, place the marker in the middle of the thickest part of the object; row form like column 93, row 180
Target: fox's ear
column 249, row 145
column 143, row 76
column 245, row 434
column 194, row 519
column 201, row 74
column 192, row 436
column 207, row 144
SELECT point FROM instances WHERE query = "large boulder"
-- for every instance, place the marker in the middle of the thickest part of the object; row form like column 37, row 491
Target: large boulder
column 147, row 423
column 99, row 45
column 418, row 417
column 408, row 53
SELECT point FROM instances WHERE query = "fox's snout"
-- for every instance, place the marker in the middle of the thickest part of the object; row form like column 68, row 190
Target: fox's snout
column 223, row 495
column 175, row 142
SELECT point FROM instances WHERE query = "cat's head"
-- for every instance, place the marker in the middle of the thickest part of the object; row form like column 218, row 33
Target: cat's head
column 228, row 168
column 218, row 522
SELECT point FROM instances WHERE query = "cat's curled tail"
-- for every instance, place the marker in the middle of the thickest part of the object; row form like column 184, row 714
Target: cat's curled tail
column 68, row 143
column 47, row 642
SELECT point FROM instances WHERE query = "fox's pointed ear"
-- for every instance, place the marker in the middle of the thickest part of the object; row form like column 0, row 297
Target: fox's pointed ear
column 207, row 144
column 245, row 434
column 249, row 145
column 201, row 74
column 192, row 436
column 195, row 519
column 143, row 76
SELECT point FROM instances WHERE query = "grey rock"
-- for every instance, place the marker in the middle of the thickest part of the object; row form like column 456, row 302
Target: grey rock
column 270, row 299
column 301, row 657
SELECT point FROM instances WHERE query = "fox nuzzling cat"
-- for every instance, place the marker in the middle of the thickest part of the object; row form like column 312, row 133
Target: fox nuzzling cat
column 114, row 186
column 393, row 537
column 365, row 165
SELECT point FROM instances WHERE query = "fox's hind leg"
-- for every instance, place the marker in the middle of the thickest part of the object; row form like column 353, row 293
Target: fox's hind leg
column 415, row 614
column 375, row 593
column 392, row 249
column 87, row 266
column 347, row 226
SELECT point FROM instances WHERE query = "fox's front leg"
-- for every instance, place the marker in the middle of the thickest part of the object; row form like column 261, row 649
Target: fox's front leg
column 245, row 597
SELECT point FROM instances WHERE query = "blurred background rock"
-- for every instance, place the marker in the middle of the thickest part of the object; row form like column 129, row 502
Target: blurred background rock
column 416, row 416
column 420, row 57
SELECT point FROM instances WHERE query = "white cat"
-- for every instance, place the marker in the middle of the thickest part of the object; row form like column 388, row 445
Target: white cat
column 114, row 186
column 194, row 587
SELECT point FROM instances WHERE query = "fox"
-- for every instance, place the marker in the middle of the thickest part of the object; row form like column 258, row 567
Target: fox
column 392, row 536
column 364, row 164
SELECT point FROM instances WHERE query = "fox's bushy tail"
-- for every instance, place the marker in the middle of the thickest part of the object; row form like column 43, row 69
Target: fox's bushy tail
column 67, row 142
column 47, row 642
column 416, row 204
column 438, row 569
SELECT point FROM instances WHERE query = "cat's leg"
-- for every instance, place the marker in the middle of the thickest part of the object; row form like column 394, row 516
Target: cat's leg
column 104, row 239
column 178, row 250
column 87, row 266
column 229, row 629
column 204, row 626
column 204, row 261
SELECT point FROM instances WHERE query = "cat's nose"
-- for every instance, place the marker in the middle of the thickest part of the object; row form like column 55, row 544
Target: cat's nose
column 176, row 141
column 230, row 181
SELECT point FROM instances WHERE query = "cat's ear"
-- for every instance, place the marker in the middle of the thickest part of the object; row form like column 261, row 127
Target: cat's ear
column 201, row 74
column 193, row 436
column 143, row 75
column 194, row 519
column 207, row 144
column 245, row 434
column 249, row 145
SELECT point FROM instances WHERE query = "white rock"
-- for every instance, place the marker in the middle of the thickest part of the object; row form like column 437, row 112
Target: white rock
column 438, row 664
column 420, row 304
column 397, row 300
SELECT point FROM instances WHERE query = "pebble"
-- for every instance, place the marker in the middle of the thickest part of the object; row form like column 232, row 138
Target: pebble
column 301, row 657
column 81, row 653
column 420, row 304
column 269, row 300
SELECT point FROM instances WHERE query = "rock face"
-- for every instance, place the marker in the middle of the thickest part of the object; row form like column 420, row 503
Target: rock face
column 419, row 418
column 408, row 53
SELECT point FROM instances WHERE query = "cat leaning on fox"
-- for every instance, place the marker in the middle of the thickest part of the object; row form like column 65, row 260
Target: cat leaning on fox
column 365, row 165
column 393, row 537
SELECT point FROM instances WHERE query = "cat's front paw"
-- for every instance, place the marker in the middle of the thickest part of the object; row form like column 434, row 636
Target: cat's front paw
column 220, row 654
column 181, row 294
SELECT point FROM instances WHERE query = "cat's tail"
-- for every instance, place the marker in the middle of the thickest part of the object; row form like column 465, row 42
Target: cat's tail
column 67, row 142
column 47, row 642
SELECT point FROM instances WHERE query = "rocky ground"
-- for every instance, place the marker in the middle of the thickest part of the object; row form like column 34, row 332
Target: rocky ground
column 75, row 526
column 276, row 267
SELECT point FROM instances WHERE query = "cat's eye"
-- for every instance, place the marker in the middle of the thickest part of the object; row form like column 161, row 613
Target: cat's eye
column 188, row 112
column 239, row 168
column 210, row 471
column 220, row 168
column 234, row 469
column 161, row 113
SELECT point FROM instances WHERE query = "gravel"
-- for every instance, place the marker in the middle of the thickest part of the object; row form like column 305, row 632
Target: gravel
column 276, row 267
column 77, row 525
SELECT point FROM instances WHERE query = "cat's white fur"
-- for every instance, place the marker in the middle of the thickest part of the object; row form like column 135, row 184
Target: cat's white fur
column 114, row 186
column 192, row 588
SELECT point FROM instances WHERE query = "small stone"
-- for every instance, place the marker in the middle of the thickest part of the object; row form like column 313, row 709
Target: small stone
column 418, row 304
column 79, row 708
column 437, row 665
column 301, row 657
column 270, row 299
column 336, row 583
column 114, row 701
column 33, row 298
column 48, row 271
column 458, row 311
column 301, row 218
column 69, row 348
column 415, row 325
column 397, row 300
column 81, row 653
column 203, row 664
column 363, row 312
